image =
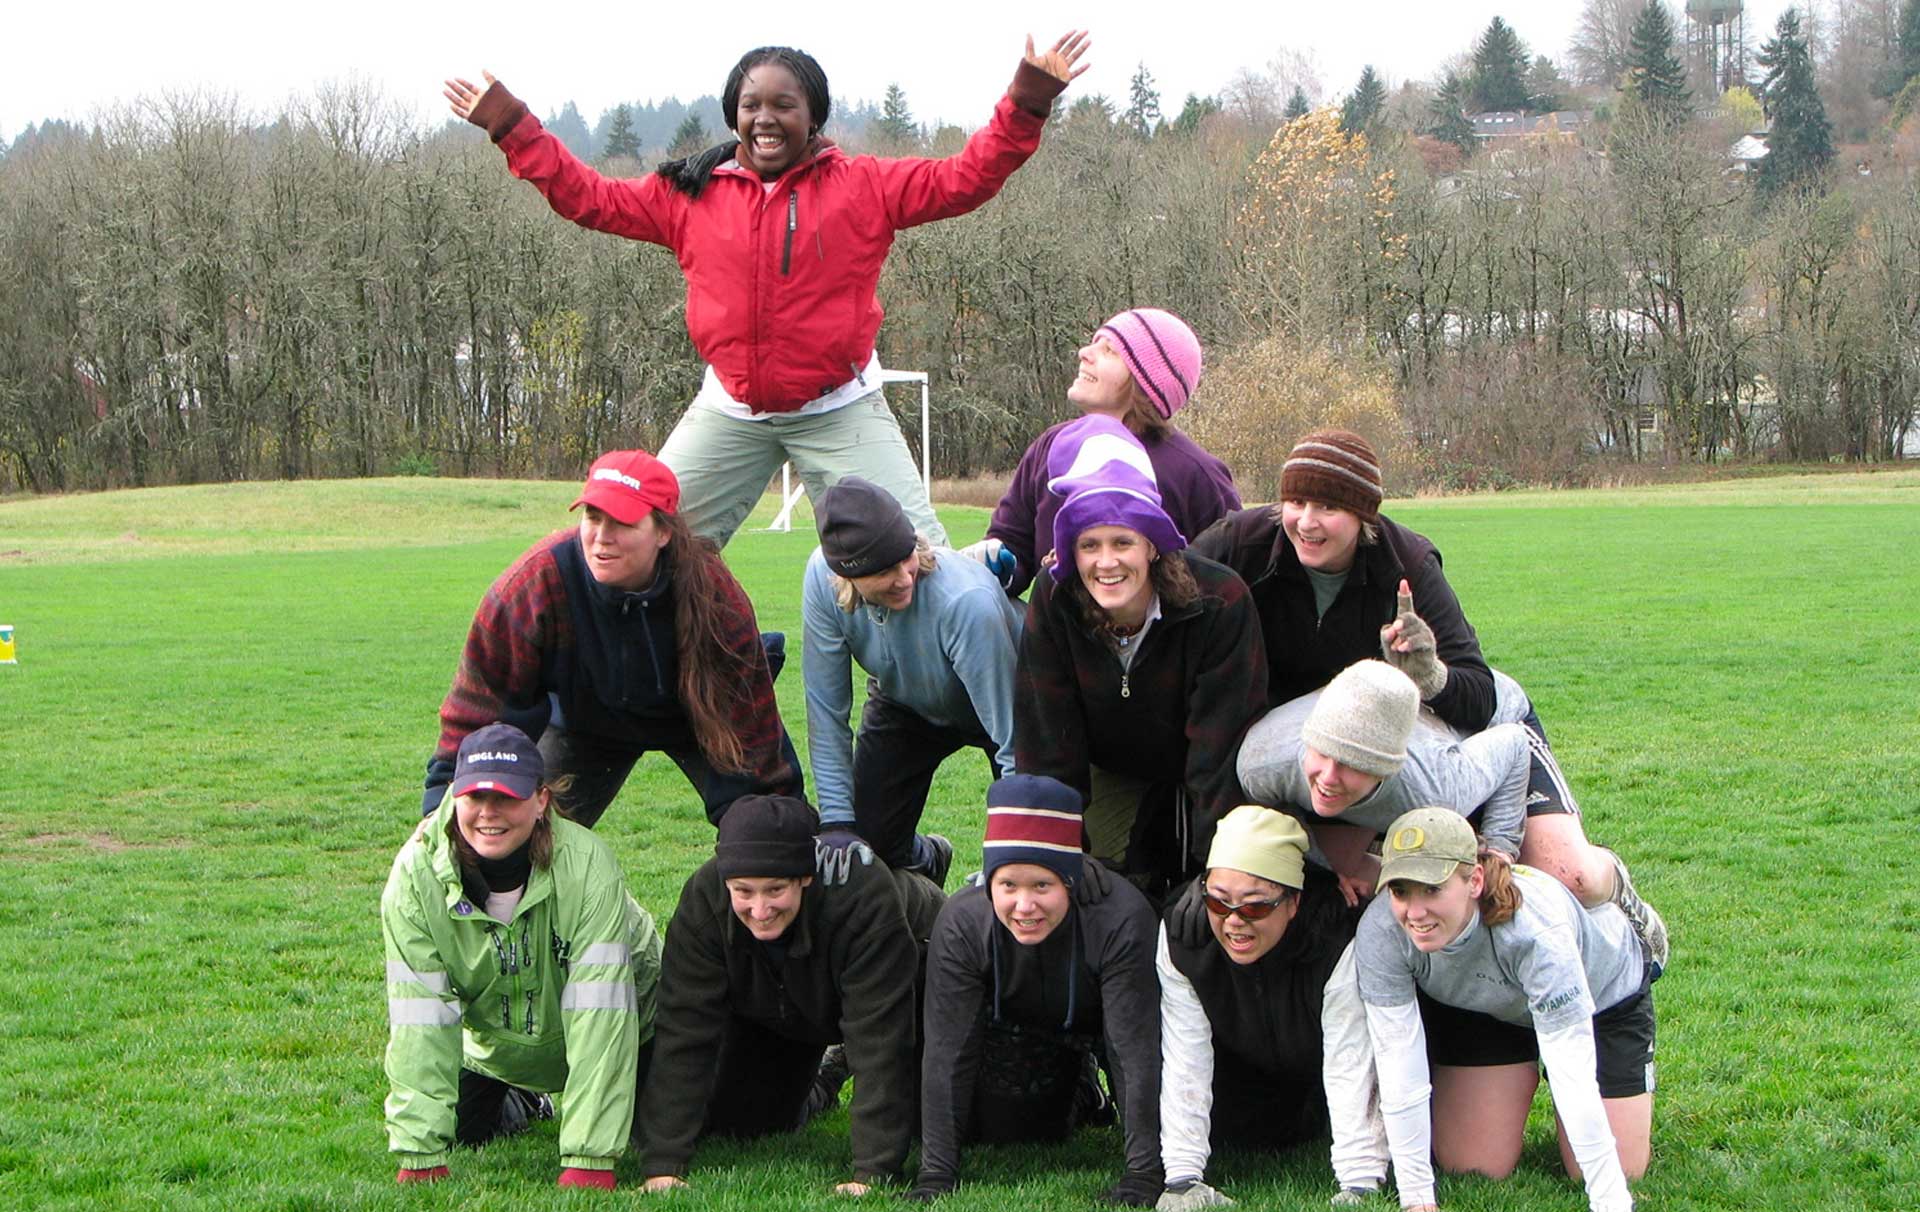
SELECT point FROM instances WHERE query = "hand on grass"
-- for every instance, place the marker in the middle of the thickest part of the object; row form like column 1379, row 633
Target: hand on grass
column 664, row 1182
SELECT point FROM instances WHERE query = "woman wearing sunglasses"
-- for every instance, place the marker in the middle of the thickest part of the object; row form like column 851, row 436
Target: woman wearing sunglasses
column 1244, row 959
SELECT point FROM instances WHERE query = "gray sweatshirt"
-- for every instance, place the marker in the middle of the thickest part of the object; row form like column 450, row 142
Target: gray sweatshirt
column 1485, row 773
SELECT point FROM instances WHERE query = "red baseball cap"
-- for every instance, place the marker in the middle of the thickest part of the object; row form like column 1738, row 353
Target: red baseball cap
column 626, row 485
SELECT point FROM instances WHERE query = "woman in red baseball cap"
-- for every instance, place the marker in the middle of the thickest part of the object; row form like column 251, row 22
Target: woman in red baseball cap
column 623, row 635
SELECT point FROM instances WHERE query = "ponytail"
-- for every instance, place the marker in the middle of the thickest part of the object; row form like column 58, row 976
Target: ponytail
column 1499, row 894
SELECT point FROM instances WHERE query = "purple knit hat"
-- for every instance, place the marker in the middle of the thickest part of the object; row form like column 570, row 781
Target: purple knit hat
column 1102, row 473
column 1162, row 353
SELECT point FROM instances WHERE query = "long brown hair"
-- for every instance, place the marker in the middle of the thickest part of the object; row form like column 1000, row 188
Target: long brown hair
column 714, row 677
column 1168, row 574
column 1499, row 895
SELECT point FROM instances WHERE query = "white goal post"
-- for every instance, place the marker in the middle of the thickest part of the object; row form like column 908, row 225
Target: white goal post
column 791, row 491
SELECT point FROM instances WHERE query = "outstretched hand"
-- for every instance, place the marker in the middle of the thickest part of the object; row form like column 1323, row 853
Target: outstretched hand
column 1060, row 60
column 1408, row 645
column 462, row 96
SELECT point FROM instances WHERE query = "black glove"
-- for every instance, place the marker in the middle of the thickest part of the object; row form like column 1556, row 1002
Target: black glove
column 928, row 1188
column 1187, row 916
column 834, row 853
column 1136, row 1189
column 1094, row 884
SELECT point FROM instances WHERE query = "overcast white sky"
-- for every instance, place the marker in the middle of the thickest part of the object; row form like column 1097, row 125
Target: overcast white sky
column 953, row 59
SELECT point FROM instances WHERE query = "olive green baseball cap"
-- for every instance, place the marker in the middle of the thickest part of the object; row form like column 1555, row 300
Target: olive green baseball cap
column 1425, row 846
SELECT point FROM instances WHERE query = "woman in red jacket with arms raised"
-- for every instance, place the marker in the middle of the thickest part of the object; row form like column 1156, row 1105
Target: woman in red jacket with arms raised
column 781, row 236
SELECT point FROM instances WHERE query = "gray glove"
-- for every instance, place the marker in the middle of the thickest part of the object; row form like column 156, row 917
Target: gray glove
column 1190, row 1196
column 834, row 853
column 1420, row 662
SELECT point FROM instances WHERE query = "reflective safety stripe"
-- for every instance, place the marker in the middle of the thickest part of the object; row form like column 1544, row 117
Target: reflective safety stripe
column 600, row 995
column 606, row 953
column 422, row 1012
column 399, row 974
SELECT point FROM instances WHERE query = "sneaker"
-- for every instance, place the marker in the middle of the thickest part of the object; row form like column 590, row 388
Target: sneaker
column 932, row 857
column 1646, row 921
column 1091, row 1104
column 825, row 1094
column 1352, row 1197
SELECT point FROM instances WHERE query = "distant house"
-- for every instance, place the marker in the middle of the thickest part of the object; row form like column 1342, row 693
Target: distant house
column 1495, row 125
column 1747, row 152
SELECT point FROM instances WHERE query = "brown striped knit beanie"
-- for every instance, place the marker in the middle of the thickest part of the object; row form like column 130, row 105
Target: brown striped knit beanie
column 1334, row 467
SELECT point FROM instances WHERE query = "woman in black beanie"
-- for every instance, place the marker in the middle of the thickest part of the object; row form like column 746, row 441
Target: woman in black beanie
column 762, row 970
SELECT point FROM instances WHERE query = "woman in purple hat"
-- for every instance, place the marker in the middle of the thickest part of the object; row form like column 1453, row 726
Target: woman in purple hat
column 1135, row 659
column 1139, row 368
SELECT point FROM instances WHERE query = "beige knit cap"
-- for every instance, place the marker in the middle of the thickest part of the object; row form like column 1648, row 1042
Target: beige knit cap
column 1260, row 841
column 1364, row 717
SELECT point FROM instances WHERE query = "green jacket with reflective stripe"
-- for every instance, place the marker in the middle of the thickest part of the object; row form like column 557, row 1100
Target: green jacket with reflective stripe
column 558, row 999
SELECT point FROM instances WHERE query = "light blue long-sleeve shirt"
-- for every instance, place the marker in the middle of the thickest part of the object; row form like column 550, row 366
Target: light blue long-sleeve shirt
column 948, row 658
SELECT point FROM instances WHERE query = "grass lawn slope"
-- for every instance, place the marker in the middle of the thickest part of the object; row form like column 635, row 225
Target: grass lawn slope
column 214, row 740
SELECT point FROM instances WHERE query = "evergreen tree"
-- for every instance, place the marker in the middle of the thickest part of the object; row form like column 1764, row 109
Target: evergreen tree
column 1093, row 108
column 1545, row 85
column 1906, row 45
column 1801, row 144
column 571, row 129
column 1654, row 73
column 1297, row 105
column 689, row 137
column 1362, row 107
column 621, row 141
column 1193, row 113
column 896, row 128
column 1447, row 111
column 1499, row 78
column 1143, row 104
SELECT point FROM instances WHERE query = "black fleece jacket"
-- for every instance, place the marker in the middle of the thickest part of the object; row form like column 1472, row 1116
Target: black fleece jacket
column 848, row 975
column 1305, row 650
column 1114, row 992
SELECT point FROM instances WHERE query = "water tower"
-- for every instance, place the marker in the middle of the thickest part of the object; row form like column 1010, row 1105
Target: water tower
column 1717, row 40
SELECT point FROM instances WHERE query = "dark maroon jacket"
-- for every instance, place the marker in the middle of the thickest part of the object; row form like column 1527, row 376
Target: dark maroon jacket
column 1175, row 719
column 1304, row 650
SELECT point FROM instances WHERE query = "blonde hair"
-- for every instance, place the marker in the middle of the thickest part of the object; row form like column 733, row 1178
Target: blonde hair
column 847, row 597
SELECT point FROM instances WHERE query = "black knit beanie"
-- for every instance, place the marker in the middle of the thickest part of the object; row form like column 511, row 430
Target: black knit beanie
column 863, row 530
column 766, row 835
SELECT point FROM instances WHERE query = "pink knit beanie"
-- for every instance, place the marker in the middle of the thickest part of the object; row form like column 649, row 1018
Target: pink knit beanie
column 1162, row 353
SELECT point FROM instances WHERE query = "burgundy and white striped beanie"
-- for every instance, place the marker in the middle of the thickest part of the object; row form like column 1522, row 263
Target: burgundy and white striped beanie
column 1032, row 819
column 1334, row 467
column 1162, row 353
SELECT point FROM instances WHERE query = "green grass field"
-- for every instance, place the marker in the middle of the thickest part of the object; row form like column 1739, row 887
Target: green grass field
column 213, row 742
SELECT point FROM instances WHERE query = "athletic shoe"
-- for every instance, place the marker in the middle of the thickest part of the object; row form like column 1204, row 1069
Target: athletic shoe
column 825, row 1094
column 1352, row 1197
column 932, row 857
column 1091, row 1104
column 1646, row 921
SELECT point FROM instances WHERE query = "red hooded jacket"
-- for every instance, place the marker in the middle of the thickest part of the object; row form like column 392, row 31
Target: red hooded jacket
column 781, row 280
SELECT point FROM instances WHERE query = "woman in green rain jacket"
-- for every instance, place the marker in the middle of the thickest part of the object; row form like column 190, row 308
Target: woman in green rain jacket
column 518, row 966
